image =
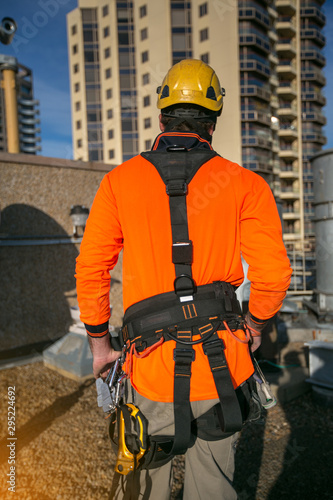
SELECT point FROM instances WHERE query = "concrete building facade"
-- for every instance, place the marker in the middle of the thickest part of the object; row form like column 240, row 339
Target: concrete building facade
column 267, row 54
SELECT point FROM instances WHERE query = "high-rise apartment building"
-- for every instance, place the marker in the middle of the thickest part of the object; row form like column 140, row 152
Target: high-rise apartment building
column 26, row 108
column 267, row 54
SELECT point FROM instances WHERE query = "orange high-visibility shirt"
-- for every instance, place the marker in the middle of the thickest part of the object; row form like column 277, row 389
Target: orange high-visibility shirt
column 231, row 212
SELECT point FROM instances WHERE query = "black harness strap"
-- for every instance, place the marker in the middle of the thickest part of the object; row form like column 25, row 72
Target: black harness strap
column 187, row 313
column 232, row 419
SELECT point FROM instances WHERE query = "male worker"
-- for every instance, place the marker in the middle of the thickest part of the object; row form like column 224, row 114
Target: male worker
column 183, row 216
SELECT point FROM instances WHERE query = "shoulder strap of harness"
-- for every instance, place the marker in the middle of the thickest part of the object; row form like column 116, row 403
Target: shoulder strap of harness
column 177, row 167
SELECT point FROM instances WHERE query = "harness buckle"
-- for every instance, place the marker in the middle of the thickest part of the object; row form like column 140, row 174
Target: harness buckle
column 176, row 187
column 214, row 348
column 183, row 355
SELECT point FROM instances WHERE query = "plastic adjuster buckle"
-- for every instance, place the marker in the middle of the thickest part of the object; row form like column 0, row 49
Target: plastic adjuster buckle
column 176, row 188
column 183, row 355
column 215, row 347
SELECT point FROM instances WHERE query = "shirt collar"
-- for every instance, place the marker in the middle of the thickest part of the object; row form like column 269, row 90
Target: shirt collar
column 189, row 140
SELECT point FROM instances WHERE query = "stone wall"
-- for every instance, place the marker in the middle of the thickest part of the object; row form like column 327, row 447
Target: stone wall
column 37, row 284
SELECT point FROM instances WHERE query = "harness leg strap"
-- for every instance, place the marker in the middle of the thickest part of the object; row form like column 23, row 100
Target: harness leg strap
column 230, row 410
column 182, row 408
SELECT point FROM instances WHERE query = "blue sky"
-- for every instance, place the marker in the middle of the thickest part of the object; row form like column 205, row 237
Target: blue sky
column 41, row 44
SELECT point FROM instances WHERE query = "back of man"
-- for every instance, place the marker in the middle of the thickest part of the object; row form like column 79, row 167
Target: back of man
column 230, row 212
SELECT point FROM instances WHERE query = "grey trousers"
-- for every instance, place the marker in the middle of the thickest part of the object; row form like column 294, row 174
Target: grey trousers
column 209, row 465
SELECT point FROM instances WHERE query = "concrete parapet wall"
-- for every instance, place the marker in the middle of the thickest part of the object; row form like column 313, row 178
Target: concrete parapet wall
column 37, row 281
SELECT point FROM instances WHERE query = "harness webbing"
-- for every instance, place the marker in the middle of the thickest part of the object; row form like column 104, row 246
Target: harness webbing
column 190, row 310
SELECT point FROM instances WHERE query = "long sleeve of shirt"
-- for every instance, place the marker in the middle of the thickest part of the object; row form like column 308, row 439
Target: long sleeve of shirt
column 264, row 251
column 100, row 248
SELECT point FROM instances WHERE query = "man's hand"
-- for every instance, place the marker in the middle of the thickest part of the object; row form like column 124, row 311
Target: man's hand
column 103, row 355
column 255, row 331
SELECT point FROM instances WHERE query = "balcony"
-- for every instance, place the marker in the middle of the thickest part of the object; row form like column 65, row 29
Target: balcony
column 286, row 48
column 313, row 34
column 313, row 97
column 286, row 7
column 258, row 166
column 287, row 110
column 256, row 91
column 313, row 55
column 274, row 102
column 285, row 26
column 255, row 66
column 314, row 137
column 289, row 172
column 256, row 116
column 254, row 14
column 288, row 132
column 286, row 68
column 276, row 169
column 288, row 152
column 289, row 193
column 291, row 215
column 312, row 116
column 313, row 76
column 273, row 81
column 253, row 38
column 287, row 89
column 256, row 141
column 315, row 14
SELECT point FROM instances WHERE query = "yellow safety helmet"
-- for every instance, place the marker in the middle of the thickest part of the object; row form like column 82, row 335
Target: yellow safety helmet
column 191, row 82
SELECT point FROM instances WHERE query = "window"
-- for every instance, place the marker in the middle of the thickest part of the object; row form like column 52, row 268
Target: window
column 143, row 11
column 203, row 35
column 79, row 143
column 127, row 81
column 74, row 29
column 94, row 135
column 205, row 58
column 93, row 96
column 144, row 56
column 111, row 154
column 89, row 35
column 203, row 9
column 108, row 93
column 109, row 113
column 178, row 41
column 93, row 155
column 76, row 87
column 145, row 79
column 105, row 10
column 147, row 144
column 128, row 125
column 108, row 73
column 110, row 133
column 88, row 15
column 107, row 53
column 144, row 34
column 76, row 68
column 146, row 101
column 90, row 56
column 94, row 116
column 74, row 49
column 147, row 123
column 78, row 124
column 106, row 31
column 77, row 106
